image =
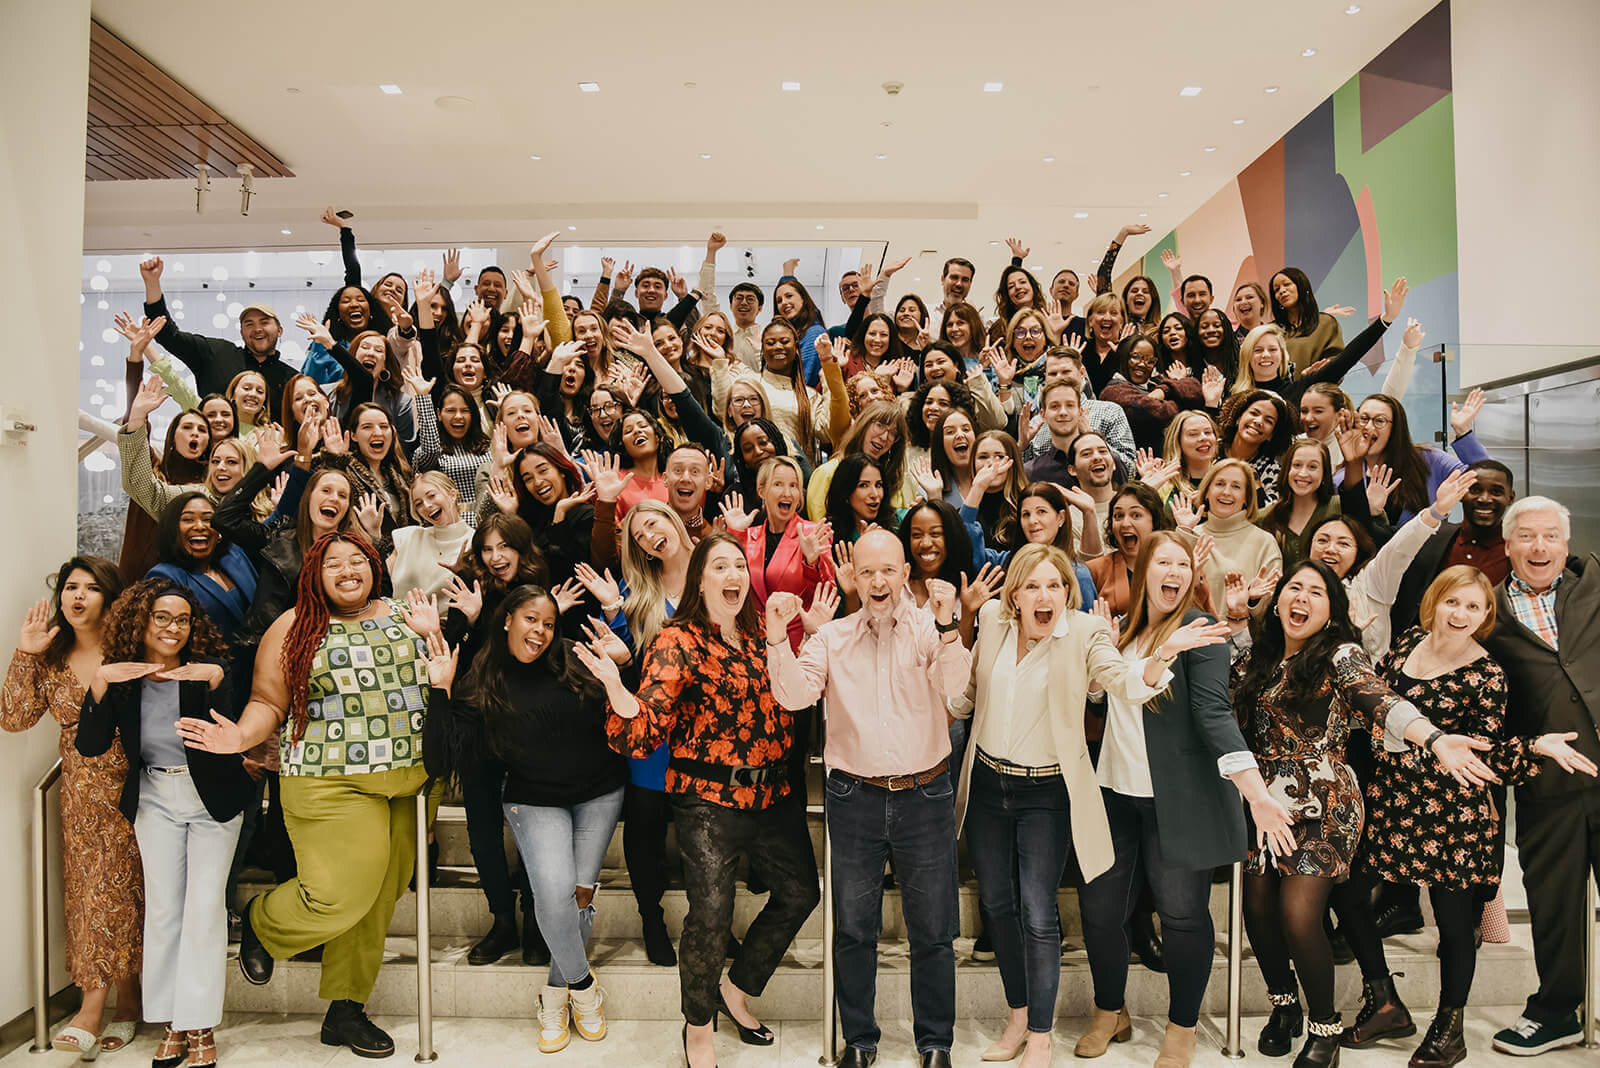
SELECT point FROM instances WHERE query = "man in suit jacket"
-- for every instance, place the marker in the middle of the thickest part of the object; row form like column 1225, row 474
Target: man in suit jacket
column 1546, row 632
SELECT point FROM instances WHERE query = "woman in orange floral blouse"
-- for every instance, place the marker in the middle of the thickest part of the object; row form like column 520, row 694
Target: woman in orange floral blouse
column 704, row 690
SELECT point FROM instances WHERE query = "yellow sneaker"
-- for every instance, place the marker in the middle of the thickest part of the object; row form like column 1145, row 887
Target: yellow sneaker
column 588, row 1014
column 553, row 1032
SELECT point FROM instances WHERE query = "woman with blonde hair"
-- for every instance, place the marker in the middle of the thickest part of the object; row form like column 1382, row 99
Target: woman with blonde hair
column 1192, row 441
column 1228, row 497
column 1174, row 817
column 1026, row 780
column 427, row 552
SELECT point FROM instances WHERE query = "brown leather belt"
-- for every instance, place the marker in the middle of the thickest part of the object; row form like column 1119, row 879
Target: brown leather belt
column 896, row 783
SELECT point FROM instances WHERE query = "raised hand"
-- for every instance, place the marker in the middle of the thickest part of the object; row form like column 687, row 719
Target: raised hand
column 1183, row 510
column 152, row 394
column 1453, row 490
column 824, row 606
column 603, row 588
column 607, row 265
column 331, row 217
column 525, row 284
column 276, row 491
column 623, row 277
column 550, row 434
column 719, row 475
column 307, row 440
column 1569, row 759
column 1172, row 262
column 1005, row 370
column 1339, row 311
column 1262, row 585
column 397, row 314
column 942, row 599
column 1027, row 427
column 335, row 438
column 1075, row 343
column 869, row 278
column 635, row 341
column 452, row 266
column 734, row 517
column 270, row 449
column 1413, row 337
column 991, row 474
column 37, row 633
column 715, row 243
column 677, row 283
column 895, row 268
column 605, row 469
column 541, row 246
column 477, row 315
column 844, row 568
column 1212, row 386
column 139, row 334
column 150, row 270
column 605, row 641
column 815, row 541
column 1132, row 230
column 708, row 346
column 572, row 500
column 502, row 493
column 1177, row 369
column 902, row 374
column 1147, row 464
column 1381, row 482
column 415, row 384
column 824, row 347
column 422, row 615
column 1351, row 438
column 1102, row 608
column 1395, row 299
column 1236, row 595
column 790, row 265
column 781, row 609
column 369, row 513
column 321, row 332
column 1464, row 414
column 567, row 596
column 1018, row 249
column 1193, row 635
column 468, row 600
column 597, row 663
column 1078, row 497
column 441, row 660
column 973, row 593
column 563, row 356
column 1202, row 551
column 927, row 479
column 423, row 287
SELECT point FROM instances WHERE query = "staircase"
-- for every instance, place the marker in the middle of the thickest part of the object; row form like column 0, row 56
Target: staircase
column 638, row 990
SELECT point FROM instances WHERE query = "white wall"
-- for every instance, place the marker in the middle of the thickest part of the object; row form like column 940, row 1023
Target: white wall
column 44, row 74
column 1527, row 113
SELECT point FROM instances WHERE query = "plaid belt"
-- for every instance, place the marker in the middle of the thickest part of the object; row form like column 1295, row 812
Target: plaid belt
column 1017, row 771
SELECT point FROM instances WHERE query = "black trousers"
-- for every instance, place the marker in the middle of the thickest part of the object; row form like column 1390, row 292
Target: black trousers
column 481, row 796
column 1558, row 843
column 645, row 814
column 712, row 840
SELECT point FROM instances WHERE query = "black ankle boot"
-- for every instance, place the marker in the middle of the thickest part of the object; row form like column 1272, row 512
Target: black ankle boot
column 1444, row 1044
column 501, row 939
column 1286, row 1024
column 1322, row 1044
column 535, row 953
column 1146, row 945
column 657, row 942
column 1383, row 1015
column 347, row 1025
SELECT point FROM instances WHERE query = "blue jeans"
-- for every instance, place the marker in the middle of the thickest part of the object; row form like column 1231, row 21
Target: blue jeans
column 562, row 848
column 916, row 828
column 1182, row 900
column 1018, row 834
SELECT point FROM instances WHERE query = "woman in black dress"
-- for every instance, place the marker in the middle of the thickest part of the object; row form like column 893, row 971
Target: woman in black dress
column 1423, row 826
column 1299, row 691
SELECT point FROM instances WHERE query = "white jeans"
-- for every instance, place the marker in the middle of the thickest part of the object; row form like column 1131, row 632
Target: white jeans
column 186, row 856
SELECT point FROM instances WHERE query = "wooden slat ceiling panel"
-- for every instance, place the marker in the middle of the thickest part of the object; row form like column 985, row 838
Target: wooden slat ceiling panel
column 143, row 124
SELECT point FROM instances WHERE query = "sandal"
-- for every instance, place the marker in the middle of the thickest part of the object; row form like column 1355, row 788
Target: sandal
column 173, row 1051
column 117, row 1034
column 77, row 1040
column 202, row 1048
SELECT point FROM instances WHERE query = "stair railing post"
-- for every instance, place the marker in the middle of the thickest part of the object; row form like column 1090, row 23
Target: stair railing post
column 1591, row 1035
column 830, row 1017
column 425, row 1051
column 1233, row 1047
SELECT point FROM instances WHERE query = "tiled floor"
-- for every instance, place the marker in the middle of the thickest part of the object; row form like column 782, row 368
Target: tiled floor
column 260, row 1039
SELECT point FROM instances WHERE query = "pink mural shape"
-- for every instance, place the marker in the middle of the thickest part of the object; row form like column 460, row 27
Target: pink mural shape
column 1372, row 251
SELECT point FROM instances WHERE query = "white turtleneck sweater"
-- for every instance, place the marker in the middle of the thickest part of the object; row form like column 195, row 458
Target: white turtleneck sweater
column 423, row 556
column 1238, row 545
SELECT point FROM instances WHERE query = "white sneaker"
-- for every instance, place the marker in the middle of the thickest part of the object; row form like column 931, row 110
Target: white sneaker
column 553, row 1033
column 588, row 1016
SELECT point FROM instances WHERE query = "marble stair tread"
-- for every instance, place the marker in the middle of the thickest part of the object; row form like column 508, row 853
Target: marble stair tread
column 636, row 989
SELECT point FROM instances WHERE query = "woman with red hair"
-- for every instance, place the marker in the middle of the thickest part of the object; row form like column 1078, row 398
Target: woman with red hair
column 343, row 678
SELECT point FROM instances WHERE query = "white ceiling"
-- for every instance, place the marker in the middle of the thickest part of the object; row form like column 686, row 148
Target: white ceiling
column 1096, row 86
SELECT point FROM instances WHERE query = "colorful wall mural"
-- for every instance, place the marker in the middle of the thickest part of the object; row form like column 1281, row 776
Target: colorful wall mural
column 1360, row 191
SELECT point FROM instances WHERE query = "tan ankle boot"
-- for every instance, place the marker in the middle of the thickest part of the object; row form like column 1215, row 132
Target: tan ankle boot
column 1106, row 1028
column 1177, row 1047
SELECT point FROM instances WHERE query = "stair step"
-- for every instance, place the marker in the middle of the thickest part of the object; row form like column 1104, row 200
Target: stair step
column 638, row 990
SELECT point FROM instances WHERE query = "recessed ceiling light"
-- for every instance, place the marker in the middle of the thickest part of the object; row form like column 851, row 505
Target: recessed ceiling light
column 536, row 158
column 571, row 227
column 1353, row 9
column 1184, row 174
column 819, row 226
column 1080, row 215
column 390, row 89
column 1308, row 52
column 881, row 155
column 791, row 87
column 1049, row 159
column 1272, row 89
column 1238, row 122
column 1162, row 196
column 993, row 87
column 285, row 231
column 1189, row 90
column 917, row 279
column 589, row 87
column 994, row 242
column 1144, row 215
column 705, row 155
column 1209, row 148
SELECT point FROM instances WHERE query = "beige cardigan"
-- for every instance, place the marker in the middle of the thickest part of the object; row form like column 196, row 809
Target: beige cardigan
column 1081, row 650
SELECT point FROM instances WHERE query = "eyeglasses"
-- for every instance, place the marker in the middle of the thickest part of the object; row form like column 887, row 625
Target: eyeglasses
column 607, row 408
column 1373, row 420
column 744, row 402
column 1030, row 331
column 166, row 621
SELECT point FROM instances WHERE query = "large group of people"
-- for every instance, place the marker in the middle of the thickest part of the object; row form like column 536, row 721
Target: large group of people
column 1122, row 596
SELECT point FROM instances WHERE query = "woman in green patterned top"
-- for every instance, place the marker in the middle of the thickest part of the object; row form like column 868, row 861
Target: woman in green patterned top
column 343, row 678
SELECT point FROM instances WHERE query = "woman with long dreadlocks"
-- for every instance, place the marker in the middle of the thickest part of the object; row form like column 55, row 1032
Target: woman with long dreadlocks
column 342, row 677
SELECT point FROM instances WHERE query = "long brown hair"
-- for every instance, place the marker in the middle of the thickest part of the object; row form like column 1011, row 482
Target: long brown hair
column 692, row 606
column 302, row 523
column 1138, row 621
column 310, row 624
column 122, row 639
column 104, row 574
column 797, row 379
column 176, row 469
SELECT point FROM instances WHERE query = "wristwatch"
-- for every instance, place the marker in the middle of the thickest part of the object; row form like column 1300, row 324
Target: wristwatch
column 945, row 628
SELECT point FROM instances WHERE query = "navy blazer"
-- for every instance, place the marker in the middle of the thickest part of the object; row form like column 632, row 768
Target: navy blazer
column 1199, row 814
column 220, row 779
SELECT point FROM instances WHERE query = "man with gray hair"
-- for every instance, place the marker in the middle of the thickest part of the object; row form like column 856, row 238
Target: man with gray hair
column 1546, row 631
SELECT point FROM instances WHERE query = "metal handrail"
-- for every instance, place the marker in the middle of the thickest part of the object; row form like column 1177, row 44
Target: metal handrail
column 425, row 1051
column 1591, row 1005
column 41, row 910
column 1233, row 1046
column 830, row 1015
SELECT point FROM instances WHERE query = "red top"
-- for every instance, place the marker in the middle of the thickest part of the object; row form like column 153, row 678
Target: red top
column 788, row 571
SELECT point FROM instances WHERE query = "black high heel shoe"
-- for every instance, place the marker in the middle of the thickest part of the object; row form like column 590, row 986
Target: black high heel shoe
column 759, row 1035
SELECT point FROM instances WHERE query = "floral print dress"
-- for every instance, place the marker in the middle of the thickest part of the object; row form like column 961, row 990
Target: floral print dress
column 1300, row 750
column 1423, row 826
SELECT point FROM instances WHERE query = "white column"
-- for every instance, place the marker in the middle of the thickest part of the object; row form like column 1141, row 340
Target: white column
column 44, row 77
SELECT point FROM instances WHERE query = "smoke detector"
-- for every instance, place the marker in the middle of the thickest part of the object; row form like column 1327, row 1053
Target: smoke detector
column 893, row 88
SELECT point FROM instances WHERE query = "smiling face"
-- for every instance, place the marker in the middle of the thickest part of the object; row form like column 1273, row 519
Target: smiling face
column 1536, row 548
column 724, row 583
column 957, row 282
column 779, row 349
column 499, row 557
column 957, row 330
column 1196, row 297
column 196, row 537
column 259, row 331
column 639, row 437
column 519, row 415
column 781, row 496
column 688, row 478
column 1172, row 334
column 1317, row 414
column 1018, row 289
column 1041, row 523
column 1198, row 443
column 82, row 599
column 589, row 331
column 1303, row 606
column 934, row 405
column 1305, row 473
column 756, row 447
column 1138, row 297
column 391, row 288
column 1212, row 328
column 907, row 316
column 455, row 416
column 307, row 401
column 1029, row 339
column 927, row 542
column 1063, row 413
column 467, row 369
column 1040, row 601
column 744, row 403
column 937, row 366
column 531, row 629
column 433, row 505
column 655, row 534
column 250, row 395
column 1335, row 545
column 1130, row 522
column 652, row 293
column 1247, row 308
column 1266, row 359
column 491, row 289
column 876, row 339
column 373, row 435
column 225, row 467
column 346, row 577
column 1092, row 462
column 879, row 438
column 1167, row 578
column 849, row 287
column 329, row 501
column 192, row 436
column 544, row 481
column 881, row 572
column 1487, row 500
column 668, row 342
column 1258, row 423
column 990, row 451
column 1460, row 611
column 1065, row 288
column 1141, row 361
column 867, row 497
column 788, row 301
column 167, row 630
column 1106, row 324
column 1226, row 495
column 354, row 311
column 1284, row 291
column 1376, row 420
column 370, row 353
column 218, row 415
column 959, row 436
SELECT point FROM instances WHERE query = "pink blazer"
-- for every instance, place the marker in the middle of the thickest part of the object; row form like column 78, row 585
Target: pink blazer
column 788, row 572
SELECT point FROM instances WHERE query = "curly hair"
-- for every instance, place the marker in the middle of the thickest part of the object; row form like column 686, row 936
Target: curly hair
column 103, row 573
column 310, row 624
column 1306, row 671
column 122, row 639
